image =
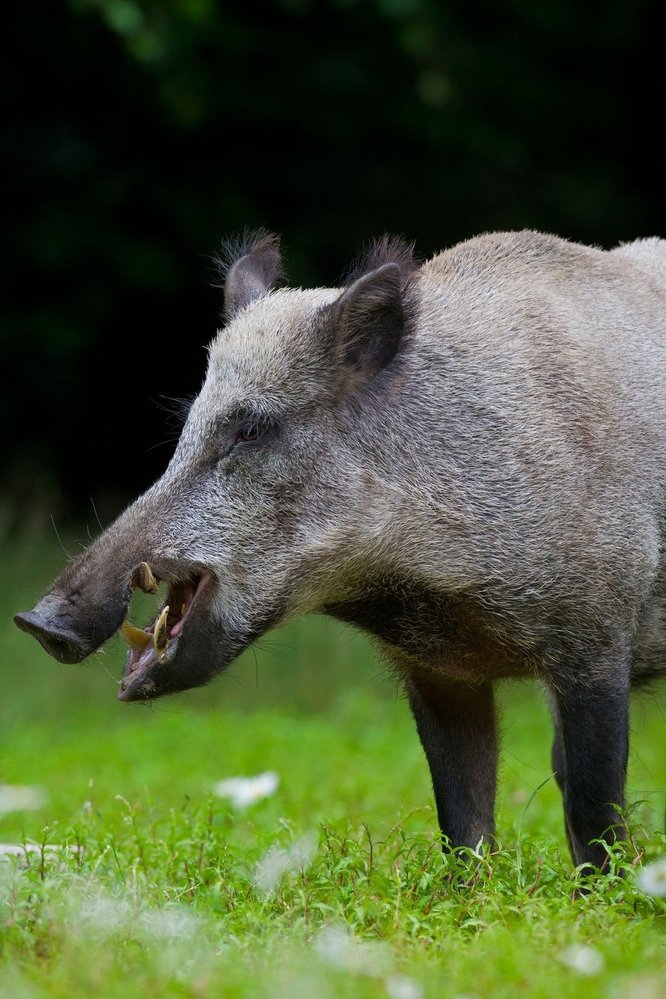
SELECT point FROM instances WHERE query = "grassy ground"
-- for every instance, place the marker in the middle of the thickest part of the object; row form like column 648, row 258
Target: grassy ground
column 331, row 886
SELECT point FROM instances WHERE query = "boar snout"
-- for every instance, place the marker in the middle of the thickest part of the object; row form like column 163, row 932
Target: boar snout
column 54, row 635
column 70, row 630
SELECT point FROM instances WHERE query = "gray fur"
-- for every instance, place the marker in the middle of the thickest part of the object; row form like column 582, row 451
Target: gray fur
column 248, row 268
column 482, row 488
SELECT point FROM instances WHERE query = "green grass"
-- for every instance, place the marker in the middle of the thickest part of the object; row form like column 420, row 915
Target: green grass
column 160, row 897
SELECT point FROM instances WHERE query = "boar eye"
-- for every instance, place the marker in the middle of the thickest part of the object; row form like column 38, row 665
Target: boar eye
column 251, row 432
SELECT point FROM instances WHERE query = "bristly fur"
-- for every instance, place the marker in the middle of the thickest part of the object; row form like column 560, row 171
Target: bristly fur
column 387, row 249
column 177, row 409
column 258, row 242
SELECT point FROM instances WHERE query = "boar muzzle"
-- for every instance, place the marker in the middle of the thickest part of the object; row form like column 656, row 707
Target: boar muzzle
column 70, row 633
column 59, row 641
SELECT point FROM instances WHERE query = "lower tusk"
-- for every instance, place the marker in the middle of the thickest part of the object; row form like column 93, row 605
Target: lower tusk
column 160, row 633
column 135, row 637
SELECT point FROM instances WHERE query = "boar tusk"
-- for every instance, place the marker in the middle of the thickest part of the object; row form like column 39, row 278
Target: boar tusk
column 135, row 637
column 144, row 579
column 160, row 632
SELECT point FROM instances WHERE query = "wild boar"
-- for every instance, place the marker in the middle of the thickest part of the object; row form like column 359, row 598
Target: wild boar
column 465, row 458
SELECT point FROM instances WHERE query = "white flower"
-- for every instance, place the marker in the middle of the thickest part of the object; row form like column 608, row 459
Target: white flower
column 583, row 959
column 102, row 913
column 652, row 878
column 338, row 946
column 276, row 862
column 243, row 791
column 402, row 987
column 171, row 922
column 20, row 798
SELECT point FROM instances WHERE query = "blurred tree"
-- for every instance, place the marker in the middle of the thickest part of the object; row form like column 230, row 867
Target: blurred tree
column 138, row 132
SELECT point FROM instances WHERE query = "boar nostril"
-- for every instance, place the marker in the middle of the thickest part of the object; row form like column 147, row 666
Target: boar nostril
column 60, row 643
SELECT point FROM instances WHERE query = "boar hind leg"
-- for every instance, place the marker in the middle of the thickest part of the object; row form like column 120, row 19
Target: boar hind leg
column 558, row 763
column 590, row 760
column 456, row 724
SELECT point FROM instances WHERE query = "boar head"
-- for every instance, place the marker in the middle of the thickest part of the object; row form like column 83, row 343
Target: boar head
column 277, row 498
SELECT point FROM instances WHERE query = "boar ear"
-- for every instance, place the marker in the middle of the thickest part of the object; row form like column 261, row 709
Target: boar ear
column 250, row 267
column 369, row 320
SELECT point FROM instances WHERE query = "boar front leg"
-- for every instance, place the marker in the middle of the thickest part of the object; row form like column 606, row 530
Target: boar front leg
column 590, row 758
column 456, row 724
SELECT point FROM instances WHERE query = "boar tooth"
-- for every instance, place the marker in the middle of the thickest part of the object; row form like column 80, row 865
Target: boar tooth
column 144, row 578
column 160, row 633
column 135, row 637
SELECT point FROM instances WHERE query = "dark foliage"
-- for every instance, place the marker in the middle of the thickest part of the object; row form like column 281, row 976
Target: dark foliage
column 139, row 133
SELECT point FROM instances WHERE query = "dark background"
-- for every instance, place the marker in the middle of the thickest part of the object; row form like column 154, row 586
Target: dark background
column 137, row 134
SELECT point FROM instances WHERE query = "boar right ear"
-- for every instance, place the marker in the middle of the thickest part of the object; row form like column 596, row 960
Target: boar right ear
column 368, row 322
column 250, row 268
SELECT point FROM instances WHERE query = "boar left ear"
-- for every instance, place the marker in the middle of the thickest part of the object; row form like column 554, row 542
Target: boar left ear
column 250, row 268
column 368, row 321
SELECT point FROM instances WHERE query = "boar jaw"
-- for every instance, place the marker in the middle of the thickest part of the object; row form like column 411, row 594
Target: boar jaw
column 161, row 666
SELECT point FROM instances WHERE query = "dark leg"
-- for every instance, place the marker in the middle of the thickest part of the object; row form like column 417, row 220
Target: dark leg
column 590, row 758
column 557, row 757
column 559, row 765
column 456, row 723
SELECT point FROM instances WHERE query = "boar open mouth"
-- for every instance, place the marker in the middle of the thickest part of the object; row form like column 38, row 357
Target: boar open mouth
column 155, row 648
